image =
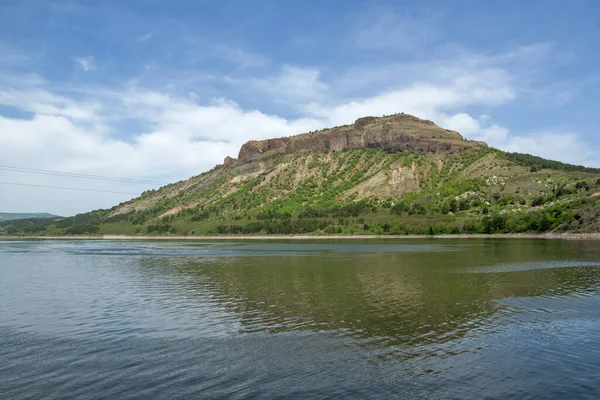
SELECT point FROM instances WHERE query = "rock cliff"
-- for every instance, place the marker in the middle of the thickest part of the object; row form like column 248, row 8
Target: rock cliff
column 392, row 134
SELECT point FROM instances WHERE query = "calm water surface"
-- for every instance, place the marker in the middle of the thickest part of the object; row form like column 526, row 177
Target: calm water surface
column 333, row 319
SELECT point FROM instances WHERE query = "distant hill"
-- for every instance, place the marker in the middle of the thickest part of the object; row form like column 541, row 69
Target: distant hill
column 12, row 216
column 397, row 174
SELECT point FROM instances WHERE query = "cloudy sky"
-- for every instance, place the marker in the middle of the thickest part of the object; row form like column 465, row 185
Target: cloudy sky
column 163, row 90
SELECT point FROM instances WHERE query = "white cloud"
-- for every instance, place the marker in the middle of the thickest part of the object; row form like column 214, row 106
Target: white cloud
column 427, row 100
column 11, row 57
column 564, row 146
column 86, row 63
column 183, row 139
column 292, row 85
column 42, row 102
column 144, row 38
column 242, row 58
column 461, row 122
column 389, row 30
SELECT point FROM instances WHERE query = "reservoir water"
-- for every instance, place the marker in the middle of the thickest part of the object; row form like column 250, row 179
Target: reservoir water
column 448, row 319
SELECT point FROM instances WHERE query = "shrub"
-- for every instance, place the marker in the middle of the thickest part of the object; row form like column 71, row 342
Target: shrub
column 538, row 201
column 494, row 224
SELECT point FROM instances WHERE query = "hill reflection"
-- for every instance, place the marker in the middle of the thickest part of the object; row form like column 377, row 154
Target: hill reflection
column 401, row 295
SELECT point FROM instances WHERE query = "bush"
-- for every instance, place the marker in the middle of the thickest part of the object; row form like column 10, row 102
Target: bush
column 464, row 204
column 538, row 201
column 417, row 209
column 582, row 185
column 399, row 208
column 494, row 224
column 160, row 229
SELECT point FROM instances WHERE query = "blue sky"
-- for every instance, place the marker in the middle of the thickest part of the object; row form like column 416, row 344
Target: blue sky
column 163, row 90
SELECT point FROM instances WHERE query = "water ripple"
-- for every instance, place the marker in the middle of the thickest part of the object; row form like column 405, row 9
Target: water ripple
column 167, row 320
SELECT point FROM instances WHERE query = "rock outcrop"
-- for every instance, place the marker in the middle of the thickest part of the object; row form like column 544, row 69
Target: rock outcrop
column 229, row 161
column 392, row 134
column 360, row 123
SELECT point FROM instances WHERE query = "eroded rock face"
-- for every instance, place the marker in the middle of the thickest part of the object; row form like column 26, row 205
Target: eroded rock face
column 361, row 122
column 229, row 161
column 392, row 134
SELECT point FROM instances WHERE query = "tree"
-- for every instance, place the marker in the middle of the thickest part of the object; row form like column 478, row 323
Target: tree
column 417, row 209
column 495, row 223
column 538, row 201
column 445, row 208
column 544, row 223
column 464, row 204
column 453, row 205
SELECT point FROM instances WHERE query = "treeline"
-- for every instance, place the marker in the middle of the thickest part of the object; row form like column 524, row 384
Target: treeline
column 537, row 163
column 541, row 221
column 353, row 209
column 557, row 217
column 26, row 226
column 274, row 227
column 160, row 229
column 81, row 224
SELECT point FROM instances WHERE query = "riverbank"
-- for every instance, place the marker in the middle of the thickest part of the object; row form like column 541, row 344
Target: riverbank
column 562, row 236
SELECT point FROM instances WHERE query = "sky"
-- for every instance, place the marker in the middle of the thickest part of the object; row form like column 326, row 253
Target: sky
column 164, row 90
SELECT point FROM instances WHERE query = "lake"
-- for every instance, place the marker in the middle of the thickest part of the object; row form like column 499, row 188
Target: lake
column 430, row 318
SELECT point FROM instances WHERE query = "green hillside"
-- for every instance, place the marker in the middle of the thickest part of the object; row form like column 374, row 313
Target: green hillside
column 387, row 177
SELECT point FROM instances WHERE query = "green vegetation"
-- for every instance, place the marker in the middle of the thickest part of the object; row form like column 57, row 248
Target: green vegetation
column 25, row 226
column 364, row 191
column 537, row 163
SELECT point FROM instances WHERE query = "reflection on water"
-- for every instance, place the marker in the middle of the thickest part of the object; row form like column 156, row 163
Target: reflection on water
column 426, row 318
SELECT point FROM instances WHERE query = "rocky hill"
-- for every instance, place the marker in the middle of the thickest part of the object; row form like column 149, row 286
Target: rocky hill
column 391, row 175
column 392, row 134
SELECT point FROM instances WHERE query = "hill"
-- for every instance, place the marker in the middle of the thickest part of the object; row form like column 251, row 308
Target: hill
column 391, row 175
column 12, row 216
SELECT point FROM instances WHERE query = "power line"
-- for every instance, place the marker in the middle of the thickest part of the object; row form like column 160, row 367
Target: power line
column 76, row 175
column 65, row 188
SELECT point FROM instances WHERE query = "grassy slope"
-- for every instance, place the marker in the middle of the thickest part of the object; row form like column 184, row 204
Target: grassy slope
column 359, row 191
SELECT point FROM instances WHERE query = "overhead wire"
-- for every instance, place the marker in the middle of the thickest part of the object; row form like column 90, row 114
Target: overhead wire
column 77, row 175
column 65, row 188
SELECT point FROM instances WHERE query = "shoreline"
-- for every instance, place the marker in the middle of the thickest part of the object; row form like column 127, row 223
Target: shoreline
column 550, row 236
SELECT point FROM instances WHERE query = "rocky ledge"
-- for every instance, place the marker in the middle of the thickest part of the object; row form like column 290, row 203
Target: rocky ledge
column 392, row 134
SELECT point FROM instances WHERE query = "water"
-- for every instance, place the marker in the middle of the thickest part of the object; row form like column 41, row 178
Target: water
column 291, row 319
